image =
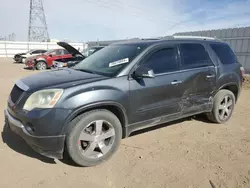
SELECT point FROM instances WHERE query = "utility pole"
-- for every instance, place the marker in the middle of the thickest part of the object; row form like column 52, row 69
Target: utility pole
column 38, row 30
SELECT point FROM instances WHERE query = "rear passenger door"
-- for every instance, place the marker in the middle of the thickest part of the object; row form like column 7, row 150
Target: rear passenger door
column 199, row 78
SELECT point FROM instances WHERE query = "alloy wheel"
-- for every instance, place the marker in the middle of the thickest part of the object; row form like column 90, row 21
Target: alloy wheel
column 41, row 66
column 225, row 107
column 96, row 139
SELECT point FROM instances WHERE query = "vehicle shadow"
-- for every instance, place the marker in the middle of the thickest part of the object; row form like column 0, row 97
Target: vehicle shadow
column 67, row 160
column 28, row 68
column 199, row 117
column 16, row 143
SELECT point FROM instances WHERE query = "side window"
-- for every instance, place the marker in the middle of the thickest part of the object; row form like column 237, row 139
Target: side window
column 65, row 52
column 38, row 51
column 34, row 52
column 194, row 56
column 54, row 52
column 59, row 52
column 162, row 61
column 225, row 53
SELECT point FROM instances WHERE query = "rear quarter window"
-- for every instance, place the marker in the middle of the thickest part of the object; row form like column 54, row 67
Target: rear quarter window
column 224, row 53
column 194, row 55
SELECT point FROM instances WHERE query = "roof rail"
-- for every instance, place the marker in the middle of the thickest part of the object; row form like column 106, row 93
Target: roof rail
column 194, row 37
column 150, row 39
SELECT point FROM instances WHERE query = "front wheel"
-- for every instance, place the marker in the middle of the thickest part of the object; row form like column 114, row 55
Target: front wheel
column 41, row 65
column 224, row 102
column 93, row 137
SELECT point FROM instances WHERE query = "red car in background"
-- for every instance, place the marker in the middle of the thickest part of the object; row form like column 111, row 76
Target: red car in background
column 44, row 61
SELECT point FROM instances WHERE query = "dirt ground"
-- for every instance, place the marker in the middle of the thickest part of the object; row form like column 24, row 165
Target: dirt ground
column 190, row 153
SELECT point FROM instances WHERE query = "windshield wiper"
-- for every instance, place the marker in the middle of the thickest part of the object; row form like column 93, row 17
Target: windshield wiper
column 86, row 70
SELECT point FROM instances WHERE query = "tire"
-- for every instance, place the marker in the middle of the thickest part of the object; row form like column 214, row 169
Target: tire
column 219, row 107
column 75, row 145
column 41, row 65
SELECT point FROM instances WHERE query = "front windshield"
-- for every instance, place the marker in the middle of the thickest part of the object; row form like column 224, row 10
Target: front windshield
column 110, row 60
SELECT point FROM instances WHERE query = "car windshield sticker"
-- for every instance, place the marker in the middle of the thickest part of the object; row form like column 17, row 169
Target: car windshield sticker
column 119, row 62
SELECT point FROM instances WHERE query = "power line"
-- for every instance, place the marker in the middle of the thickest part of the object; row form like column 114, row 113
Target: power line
column 139, row 13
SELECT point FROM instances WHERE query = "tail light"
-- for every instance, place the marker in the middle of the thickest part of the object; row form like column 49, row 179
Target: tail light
column 242, row 73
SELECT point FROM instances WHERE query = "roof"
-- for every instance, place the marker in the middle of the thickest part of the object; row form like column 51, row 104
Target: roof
column 149, row 42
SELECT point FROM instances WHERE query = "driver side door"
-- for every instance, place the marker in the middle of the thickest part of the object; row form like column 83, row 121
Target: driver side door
column 152, row 98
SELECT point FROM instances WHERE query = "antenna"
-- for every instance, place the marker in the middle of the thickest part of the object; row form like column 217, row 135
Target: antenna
column 38, row 30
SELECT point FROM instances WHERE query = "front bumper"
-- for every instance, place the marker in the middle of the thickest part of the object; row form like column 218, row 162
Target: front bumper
column 30, row 64
column 23, row 59
column 49, row 146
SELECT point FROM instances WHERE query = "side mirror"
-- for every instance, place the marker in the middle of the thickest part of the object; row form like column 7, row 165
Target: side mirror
column 143, row 72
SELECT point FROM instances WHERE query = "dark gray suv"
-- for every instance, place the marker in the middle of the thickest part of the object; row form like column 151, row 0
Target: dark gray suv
column 86, row 110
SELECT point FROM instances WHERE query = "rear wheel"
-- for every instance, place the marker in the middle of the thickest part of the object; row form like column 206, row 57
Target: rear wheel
column 41, row 65
column 224, row 102
column 93, row 137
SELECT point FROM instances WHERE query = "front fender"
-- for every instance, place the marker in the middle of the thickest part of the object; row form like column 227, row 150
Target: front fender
column 82, row 100
column 41, row 59
column 96, row 105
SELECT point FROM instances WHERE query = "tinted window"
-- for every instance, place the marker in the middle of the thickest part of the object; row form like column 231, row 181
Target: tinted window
column 42, row 51
column 162, row 61
column 54, row 52
column 36, row 52
column 194, row 56
column 59, row 52
column 65, row 52
column 225, row 53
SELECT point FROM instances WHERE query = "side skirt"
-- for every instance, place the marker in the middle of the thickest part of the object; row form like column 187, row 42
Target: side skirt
column 159, row 120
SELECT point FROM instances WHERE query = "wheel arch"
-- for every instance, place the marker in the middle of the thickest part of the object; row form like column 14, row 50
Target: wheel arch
column 116, row 108
column 234, row 88
column 41, row 60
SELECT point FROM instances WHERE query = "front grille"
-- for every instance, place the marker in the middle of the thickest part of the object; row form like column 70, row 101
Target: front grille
column 16, row 93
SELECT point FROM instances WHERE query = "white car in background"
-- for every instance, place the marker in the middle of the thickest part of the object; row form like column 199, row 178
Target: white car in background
column 31, row 53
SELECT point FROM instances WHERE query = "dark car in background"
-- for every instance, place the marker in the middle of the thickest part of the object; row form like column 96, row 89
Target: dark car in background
column 91, row 50
column 86, row 110
column 44, row 61
column 20, row 57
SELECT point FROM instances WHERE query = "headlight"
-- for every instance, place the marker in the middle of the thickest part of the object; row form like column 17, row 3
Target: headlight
column 43, row 99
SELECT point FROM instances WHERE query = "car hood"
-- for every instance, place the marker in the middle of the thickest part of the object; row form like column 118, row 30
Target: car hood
column 63, row 77
column 70, row 48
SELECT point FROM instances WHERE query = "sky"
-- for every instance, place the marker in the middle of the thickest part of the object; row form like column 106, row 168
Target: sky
column 91, row 20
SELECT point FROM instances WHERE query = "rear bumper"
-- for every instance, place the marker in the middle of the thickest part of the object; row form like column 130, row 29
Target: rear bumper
column 49, row 146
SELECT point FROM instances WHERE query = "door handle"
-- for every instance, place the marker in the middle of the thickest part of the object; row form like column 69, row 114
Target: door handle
column 210, row 76
column 175, row 82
